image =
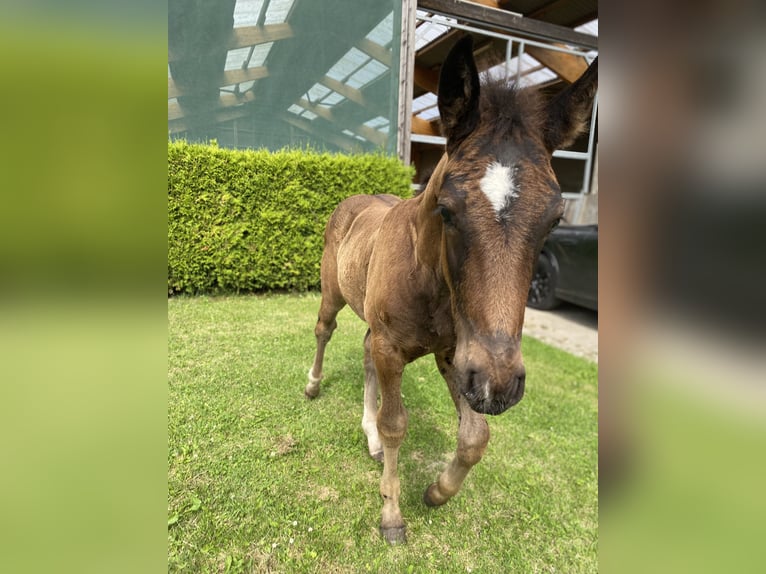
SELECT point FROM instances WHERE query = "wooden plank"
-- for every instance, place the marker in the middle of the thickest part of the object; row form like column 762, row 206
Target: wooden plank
column 371, row 134
column 229, row 77
column 424, row 127
column 238, row 76
column 508, row 22
column 253, row 35
column 406, row 51
column 248, row 36
column 381, row 54
column 346, row 91
column 566, row 66
column 426, row 79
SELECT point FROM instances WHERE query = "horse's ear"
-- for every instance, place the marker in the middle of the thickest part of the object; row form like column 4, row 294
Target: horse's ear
column 568, row 112
column 459, row 93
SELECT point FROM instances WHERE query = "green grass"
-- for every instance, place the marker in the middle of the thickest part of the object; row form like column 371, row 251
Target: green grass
column 261, row 479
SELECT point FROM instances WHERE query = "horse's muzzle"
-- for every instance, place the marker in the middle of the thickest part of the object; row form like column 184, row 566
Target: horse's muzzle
column 493, row 399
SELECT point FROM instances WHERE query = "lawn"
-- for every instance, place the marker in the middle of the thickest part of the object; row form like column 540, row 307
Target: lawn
column 262, row 480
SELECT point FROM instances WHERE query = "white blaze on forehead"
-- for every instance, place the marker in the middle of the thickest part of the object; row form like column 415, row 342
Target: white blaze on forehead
column 498, row 185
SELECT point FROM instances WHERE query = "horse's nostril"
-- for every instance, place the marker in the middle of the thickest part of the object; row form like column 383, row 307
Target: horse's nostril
column 518, row 384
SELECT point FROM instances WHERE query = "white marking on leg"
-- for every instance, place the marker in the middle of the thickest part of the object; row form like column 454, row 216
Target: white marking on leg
column 499, row 185
column 312, row 379
column 370, row 428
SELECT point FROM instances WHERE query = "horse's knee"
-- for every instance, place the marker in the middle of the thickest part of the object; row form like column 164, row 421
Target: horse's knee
column 392, row 427
column 324, row 329
column 472, row 441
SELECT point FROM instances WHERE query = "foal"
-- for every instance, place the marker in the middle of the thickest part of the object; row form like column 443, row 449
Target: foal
column 447, row 272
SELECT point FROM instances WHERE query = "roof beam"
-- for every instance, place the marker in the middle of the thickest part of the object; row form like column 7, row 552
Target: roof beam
column 427, row 79
column 381, row 54
column 253, row 35
column 567, row 66
column 508, row 22
column 229, row 77
column 366, row 132
column 346, row 91
column 248, row 36
column 238, row 76
column 423, row 127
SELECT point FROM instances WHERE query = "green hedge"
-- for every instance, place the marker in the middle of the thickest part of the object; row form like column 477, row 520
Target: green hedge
column 244, row 221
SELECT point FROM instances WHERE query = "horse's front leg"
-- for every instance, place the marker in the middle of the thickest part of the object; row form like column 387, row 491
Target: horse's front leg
column 392, row 426
column 472, row 439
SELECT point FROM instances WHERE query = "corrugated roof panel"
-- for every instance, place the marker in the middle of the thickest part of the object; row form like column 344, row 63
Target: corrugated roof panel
column 278, row 11
column 235, row 58
column 427, row 32
column 366, row 74
column 333, row 99
column 317, row 92
column 348, row 64
column 383, row 33
column 246, row 12
column 379, row 123
column 260, row 53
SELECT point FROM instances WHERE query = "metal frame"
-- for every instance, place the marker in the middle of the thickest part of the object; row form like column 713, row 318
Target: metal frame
column 587, row 156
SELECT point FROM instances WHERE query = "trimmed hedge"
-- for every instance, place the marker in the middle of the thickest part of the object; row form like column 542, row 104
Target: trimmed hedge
column 245, row 221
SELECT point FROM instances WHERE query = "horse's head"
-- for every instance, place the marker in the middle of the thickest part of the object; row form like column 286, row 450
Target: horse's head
column 496, row 198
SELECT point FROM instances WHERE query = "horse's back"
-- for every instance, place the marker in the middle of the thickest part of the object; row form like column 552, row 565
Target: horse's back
column 349, row 241
column 350, row 208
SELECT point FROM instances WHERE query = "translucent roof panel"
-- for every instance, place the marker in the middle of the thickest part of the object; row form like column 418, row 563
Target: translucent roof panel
column 589, row 28
column 425, row 106
column 278, row 11
column 333, row 99
column 379, row 123
column 236, row 58
column 244, row 86
column 353, row 135
column 367, row 73
column 246, row 12
column 348, row 64
column 295, row 109
column 317, row 92
column 260, row 53
column 427, row 32
column 383, row 32
column 309, row 115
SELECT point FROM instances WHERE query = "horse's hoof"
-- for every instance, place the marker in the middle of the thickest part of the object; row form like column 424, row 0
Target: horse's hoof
column 377, row 456
column 430, row 498
column 311, row 393
column 396, row 535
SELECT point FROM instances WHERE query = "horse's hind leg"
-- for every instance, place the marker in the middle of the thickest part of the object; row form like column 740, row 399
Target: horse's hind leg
column 325, row 326
column 472, row 439
column 332, row 303
column 369, row 418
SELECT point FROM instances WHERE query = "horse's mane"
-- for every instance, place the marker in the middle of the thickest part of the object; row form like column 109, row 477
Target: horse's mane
column 505, row 107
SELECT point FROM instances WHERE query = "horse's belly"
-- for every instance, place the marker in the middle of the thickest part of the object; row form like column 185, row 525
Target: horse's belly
column 354, row 258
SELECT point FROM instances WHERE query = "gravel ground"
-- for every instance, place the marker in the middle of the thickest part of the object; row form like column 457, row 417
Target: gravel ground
column 571, row 328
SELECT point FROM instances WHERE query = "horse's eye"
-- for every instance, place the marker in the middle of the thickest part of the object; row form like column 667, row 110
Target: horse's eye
column 555, row 223
column 447, row 215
